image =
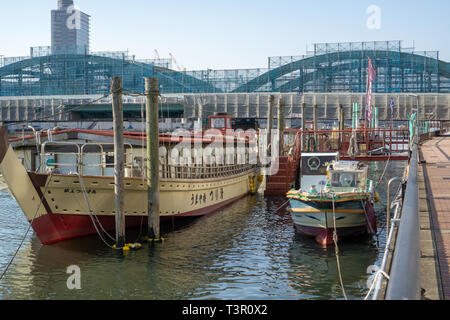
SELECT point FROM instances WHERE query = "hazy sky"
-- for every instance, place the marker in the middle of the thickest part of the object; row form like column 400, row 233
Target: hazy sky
column 229, row 34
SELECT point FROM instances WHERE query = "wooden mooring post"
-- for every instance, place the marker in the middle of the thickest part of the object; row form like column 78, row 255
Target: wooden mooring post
column 119, row 155
column 152, row 130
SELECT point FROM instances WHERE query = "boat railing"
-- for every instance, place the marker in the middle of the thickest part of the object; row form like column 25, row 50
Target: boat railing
column 53, row 165
column 135, row 166
column 128, row 165
column 387, row 140
column 169, row 171
column 79, row 153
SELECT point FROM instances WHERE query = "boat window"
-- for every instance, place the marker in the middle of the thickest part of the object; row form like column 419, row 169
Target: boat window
column 217, row 123
column 345, row 179
column 109, row 160
column 335, row 180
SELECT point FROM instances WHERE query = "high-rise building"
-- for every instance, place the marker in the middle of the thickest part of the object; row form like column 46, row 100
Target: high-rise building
column 70, row 29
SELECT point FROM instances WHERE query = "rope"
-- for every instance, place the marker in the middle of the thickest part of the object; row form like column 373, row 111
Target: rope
column 379, row 272
column 384, row 171
column 91, row 215
column 90, row 211
column 282, row 206
column 336, row 250
column 131, row 93
column 29, row 227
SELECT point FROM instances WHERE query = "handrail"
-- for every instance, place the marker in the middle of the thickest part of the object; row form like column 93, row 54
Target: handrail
column 43, row 154
column 388, row 215
column 404, row 277
column 202, row 172
column 390, row 235
column 101, row 164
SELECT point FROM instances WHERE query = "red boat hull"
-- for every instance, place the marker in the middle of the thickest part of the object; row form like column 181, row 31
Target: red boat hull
column 324, row 236
column 52, row 228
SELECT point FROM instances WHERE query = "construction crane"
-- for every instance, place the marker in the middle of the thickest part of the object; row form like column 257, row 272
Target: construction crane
column 177, row 65
column 157, row 55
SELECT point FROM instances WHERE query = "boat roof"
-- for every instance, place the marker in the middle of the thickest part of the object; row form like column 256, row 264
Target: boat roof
column 348, row 165
column 320, row 154
column 133, row 137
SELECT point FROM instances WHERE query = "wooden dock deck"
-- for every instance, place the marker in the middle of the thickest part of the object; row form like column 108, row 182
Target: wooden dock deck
column 436, row 171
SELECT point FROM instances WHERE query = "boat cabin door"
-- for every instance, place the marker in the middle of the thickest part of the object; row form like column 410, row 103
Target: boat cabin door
column 220, row 121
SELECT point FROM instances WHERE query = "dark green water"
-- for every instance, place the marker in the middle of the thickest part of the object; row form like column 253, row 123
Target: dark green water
column 245, row 251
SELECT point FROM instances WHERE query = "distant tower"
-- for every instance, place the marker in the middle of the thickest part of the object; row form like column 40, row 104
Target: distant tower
column 70, row 29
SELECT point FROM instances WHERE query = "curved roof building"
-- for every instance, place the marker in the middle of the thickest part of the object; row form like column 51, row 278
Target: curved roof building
column 340, row 67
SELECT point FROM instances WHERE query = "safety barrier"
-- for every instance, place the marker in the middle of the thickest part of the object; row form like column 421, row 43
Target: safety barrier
column 404, row 283
column 404, row 276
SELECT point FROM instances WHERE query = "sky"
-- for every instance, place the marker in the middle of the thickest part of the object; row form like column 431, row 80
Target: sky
column 231, row 34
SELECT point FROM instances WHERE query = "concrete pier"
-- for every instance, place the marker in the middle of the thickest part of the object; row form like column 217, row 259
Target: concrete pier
column 435, row 218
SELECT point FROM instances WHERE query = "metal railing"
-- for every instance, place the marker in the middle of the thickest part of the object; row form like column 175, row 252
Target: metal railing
column 167, row 170
column 391, row 226
column 404, row 276
column 202, row 172
column 78, row 156
column 386, row 140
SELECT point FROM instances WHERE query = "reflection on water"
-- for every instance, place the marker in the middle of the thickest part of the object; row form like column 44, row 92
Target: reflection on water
column 245, row 251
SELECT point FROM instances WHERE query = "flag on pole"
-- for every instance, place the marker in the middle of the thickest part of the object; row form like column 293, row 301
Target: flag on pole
column 371, row 74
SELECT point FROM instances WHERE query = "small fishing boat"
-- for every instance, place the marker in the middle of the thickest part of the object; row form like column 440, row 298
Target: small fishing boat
column 336, row 198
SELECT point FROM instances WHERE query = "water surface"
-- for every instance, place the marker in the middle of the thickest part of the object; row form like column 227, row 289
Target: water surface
column 245, row 251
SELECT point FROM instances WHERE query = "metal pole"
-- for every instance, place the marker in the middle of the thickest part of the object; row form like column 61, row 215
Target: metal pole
column 315, row 122
column 119, row 185
column 152, row 129
column 270, row 122
column 281, row 123
column 303, row 123
column 341, row 124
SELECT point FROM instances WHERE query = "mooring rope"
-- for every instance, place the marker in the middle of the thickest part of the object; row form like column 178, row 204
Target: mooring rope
column 282, row 206
column 379, row 272
column 384, row 171
column 91, row 215
column 29, row 227
column 336, row 250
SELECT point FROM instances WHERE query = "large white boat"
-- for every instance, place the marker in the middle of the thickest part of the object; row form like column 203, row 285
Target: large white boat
column 53, row 194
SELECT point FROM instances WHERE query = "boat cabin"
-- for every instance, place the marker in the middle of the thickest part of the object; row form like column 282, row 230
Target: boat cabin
column 314, row 170
column 91, row 153
column 221, row 121
column 346, row 176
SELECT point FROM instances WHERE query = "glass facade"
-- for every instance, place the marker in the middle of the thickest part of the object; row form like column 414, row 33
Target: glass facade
column 70, row 28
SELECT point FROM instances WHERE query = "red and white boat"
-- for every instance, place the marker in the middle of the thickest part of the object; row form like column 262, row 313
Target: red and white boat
column 68, row 185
